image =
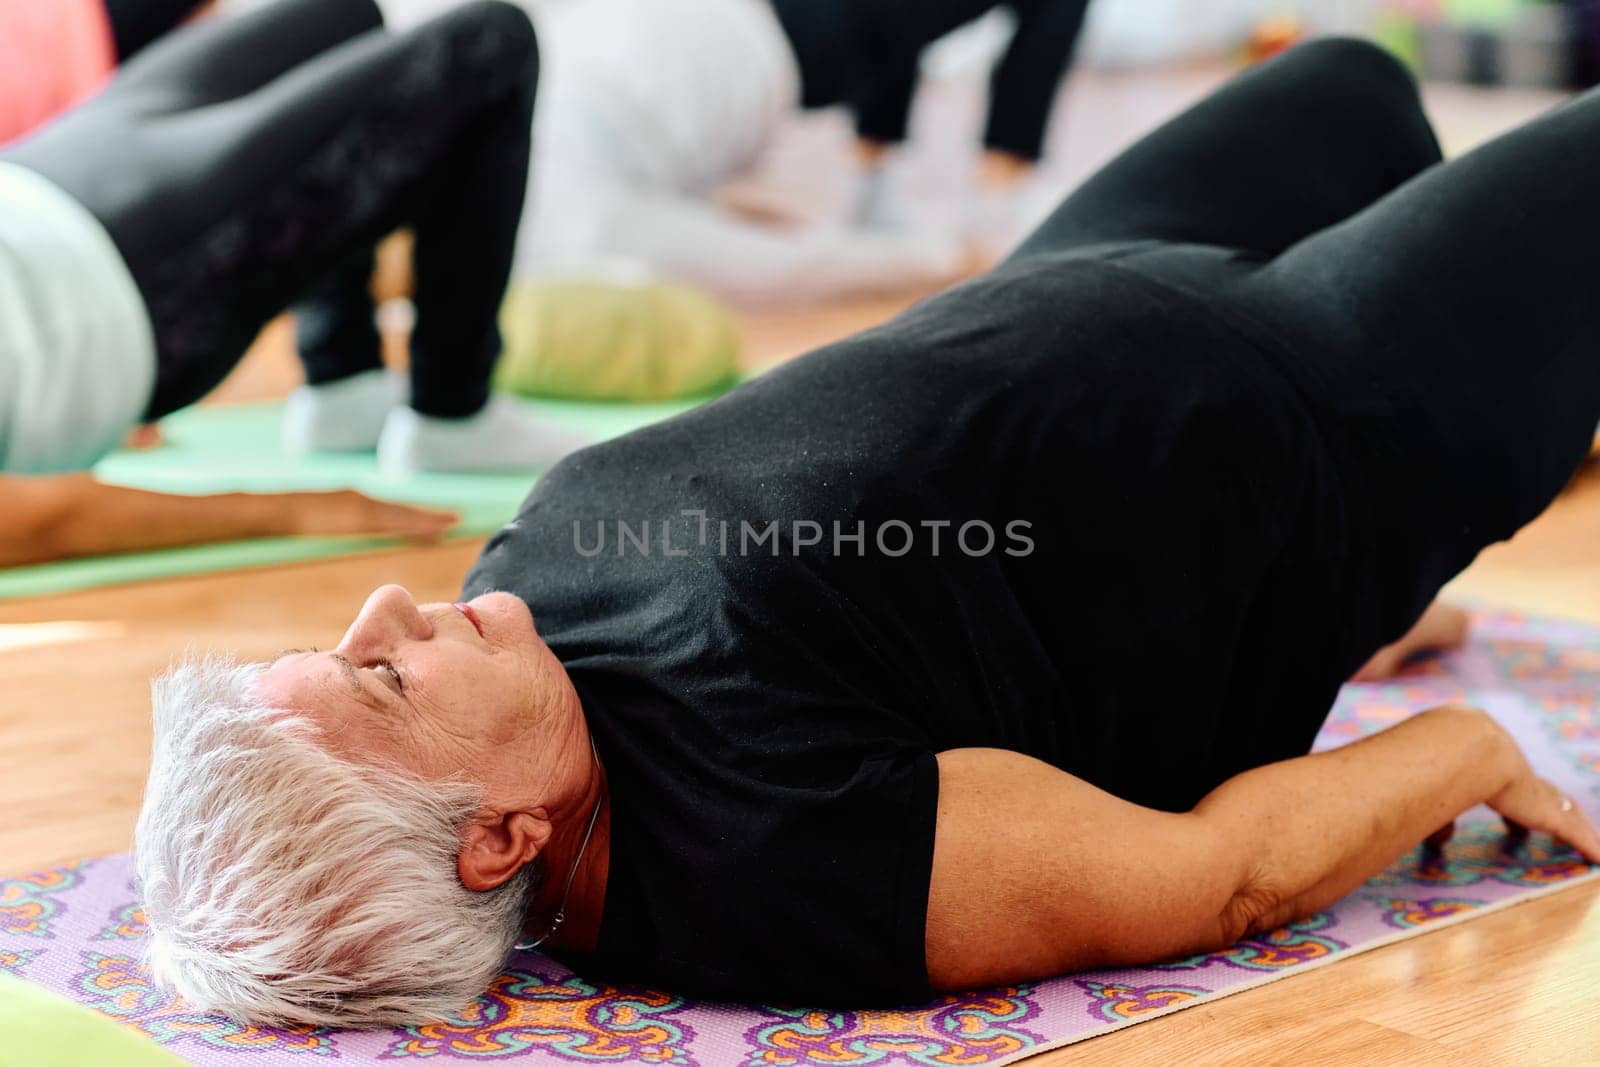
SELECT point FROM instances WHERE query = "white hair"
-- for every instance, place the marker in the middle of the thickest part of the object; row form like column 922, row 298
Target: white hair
column 286, row 885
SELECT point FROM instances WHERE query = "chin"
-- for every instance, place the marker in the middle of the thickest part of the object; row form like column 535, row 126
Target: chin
column 504, row 615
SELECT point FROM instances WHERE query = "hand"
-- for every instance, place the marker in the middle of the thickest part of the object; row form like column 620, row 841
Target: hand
column 349, row 512
column 1532, row 803
column 1441, row 627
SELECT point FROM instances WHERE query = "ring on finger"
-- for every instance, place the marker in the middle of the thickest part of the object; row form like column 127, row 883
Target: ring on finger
column 1566, row 804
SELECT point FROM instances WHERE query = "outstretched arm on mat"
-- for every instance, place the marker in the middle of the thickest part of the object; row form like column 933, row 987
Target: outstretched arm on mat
column 65, row 516
column 1037, row 873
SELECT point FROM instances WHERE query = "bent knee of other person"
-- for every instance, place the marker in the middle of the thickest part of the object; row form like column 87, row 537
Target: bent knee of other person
column 487, row 43
column 492, row 35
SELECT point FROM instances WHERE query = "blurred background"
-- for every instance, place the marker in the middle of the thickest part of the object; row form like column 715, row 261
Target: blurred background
column 857, row 242
column 1487, row 66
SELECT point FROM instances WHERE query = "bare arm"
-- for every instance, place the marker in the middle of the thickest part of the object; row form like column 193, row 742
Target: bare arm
column 1037, row 873
column 65, row 516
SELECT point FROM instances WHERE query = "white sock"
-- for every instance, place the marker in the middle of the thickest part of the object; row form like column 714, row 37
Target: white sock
column 342, row 416
column 503, row 436
column 876, row 206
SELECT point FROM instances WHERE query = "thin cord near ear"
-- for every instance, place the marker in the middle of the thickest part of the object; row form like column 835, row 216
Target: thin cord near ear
column 561, row 912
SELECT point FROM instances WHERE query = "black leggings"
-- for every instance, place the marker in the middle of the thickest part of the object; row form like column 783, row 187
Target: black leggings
column 137, row 23
column 1442, row 319
column 243, row 164
column 867, row 53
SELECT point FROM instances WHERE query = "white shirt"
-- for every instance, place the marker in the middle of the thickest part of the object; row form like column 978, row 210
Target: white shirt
column 680, row 94
column 676, row 94
column 77, row 355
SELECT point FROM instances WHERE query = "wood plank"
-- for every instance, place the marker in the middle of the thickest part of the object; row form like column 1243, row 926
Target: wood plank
column 1507, row 987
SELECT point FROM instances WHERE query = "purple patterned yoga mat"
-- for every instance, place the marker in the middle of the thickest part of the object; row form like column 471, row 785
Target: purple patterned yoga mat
column 77, row 929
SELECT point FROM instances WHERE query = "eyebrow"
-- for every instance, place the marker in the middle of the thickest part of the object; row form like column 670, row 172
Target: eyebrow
column 352, row 676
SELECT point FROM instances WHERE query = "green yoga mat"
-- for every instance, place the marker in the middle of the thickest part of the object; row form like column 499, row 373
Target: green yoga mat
column 227, row 449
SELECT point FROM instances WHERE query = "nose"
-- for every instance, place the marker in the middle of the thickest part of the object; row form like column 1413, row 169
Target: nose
column 389, row 617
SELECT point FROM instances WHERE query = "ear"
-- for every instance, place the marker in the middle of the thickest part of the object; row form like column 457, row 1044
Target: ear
column 496, row 845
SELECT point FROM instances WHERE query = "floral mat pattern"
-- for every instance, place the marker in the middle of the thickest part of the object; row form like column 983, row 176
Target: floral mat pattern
column 77, row 929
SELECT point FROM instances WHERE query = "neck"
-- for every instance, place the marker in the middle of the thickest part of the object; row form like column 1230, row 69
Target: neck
column 575, row 851
column 585, row 905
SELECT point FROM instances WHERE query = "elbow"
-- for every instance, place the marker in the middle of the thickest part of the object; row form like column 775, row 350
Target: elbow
column 1253, row 908
column 1235, row 921
column 1246, row 894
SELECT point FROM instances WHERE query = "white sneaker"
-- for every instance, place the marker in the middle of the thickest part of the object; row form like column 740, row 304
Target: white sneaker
column 342, row 416
column 504, row 436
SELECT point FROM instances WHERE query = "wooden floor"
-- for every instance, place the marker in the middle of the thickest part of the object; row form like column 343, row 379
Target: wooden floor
column 1517, row 986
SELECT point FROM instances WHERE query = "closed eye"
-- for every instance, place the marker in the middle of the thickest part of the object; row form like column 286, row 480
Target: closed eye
column 390, row 671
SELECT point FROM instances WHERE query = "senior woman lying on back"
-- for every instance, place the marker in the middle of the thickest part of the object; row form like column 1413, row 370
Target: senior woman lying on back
column 982, row 647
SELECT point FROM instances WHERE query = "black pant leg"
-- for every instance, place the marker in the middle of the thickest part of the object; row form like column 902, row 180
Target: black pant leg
column 1285, row 149
column 1455, row 327
column 227, row 214
column 465, row 225
column 1027, row 81
column 136, row 23
column 335, row 328
column 222, row 58
column 143, row 155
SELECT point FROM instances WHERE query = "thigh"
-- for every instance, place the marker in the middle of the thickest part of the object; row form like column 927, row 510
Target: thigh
column 226, row 57
column 1282, row 151
column 1451, row 338
column 137, row 23
column 313, row 168
column 144, row 155
column 1463, row 307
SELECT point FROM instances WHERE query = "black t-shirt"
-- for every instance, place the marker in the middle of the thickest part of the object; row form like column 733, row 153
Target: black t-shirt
column 1128, row 496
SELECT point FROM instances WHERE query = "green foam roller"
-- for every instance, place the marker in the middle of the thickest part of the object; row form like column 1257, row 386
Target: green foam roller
column 39, row 1029
column 598, row 340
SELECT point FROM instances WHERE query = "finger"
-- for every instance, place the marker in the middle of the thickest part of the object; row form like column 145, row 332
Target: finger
column 1578, row 830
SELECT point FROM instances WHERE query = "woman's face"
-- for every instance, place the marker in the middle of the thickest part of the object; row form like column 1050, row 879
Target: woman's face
column 437, row 688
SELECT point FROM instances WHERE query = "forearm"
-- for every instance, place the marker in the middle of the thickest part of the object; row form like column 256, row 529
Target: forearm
column 77, row 516
column 1310, row 830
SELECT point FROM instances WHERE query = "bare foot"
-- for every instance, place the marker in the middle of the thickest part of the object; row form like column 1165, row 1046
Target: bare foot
column 143, row 438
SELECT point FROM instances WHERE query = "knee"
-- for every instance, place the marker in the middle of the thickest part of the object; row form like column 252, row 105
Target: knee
column 1356, row 67
column 1365, row 90
column 503, row 31
column 494, row 46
